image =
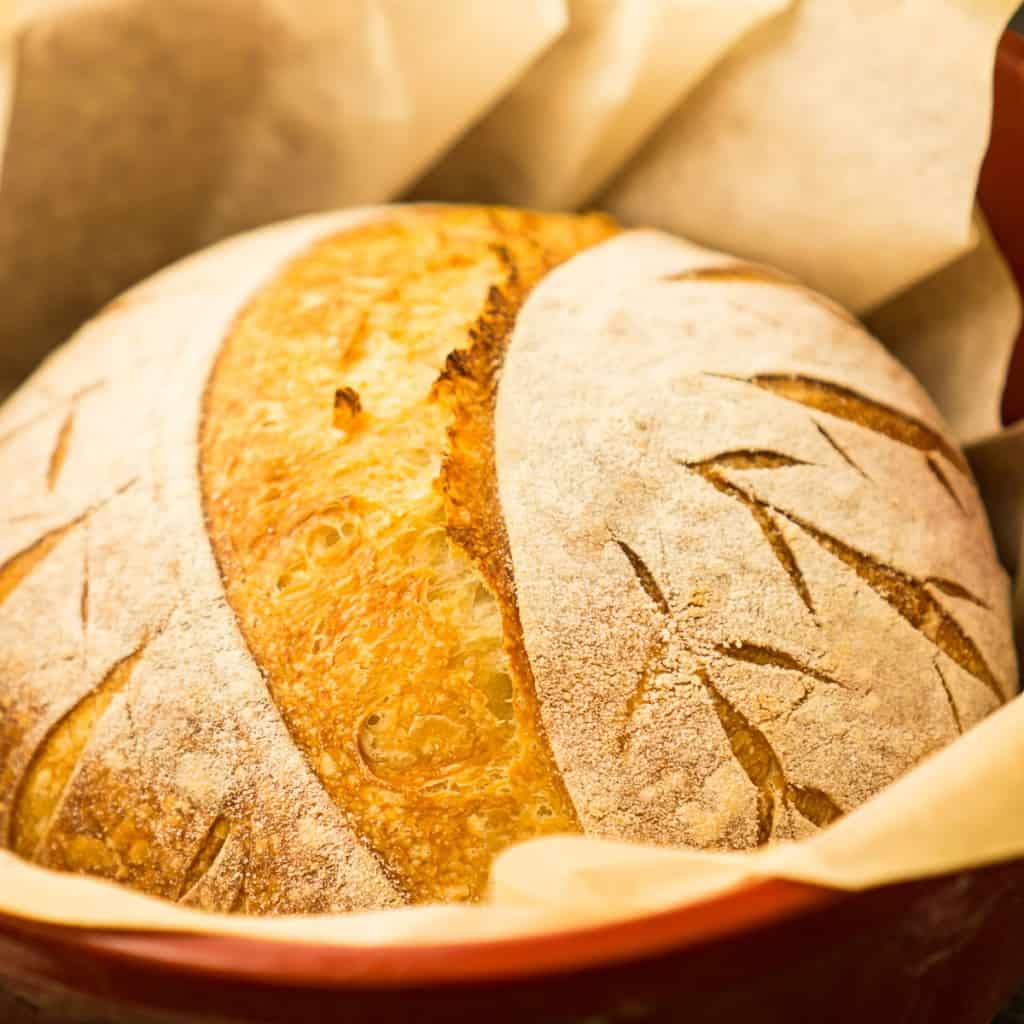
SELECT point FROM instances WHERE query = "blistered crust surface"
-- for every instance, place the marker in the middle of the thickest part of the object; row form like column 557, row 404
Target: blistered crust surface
column 350, row 498
column 747, row 557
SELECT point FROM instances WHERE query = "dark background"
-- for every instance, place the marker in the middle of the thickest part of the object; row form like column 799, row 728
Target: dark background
column 1018, row 20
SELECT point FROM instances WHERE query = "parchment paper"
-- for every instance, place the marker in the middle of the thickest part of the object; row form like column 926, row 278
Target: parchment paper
column 142, row 130
column 581, row 111
column 841, row 142
column 998, row 464
column 944, row 816
column 965, row 806
column 956, row 331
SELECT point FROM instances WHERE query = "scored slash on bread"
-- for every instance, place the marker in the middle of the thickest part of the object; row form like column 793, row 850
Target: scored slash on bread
column 425, row 530
column 433, row 745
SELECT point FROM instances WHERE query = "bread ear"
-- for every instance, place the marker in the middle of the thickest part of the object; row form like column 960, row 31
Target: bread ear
column 367, row 565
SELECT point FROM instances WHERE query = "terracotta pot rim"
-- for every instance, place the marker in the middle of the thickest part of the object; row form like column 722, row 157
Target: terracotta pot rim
column 272, row 962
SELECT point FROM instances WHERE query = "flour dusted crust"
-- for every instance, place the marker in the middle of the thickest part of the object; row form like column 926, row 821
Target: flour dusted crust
column 106, row 566
column 746, row 555
column 345, row 553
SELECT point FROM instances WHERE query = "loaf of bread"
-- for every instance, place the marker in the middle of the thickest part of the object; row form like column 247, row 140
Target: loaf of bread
column 347, row 553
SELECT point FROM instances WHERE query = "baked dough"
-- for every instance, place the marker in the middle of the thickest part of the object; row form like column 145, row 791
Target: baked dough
column 349, row 552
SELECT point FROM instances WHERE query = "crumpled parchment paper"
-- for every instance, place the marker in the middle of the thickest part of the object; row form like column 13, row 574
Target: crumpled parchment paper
column 839, row 140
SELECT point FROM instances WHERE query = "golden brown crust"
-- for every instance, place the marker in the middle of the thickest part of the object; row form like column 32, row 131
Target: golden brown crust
column 372, row 586
column 711, row 608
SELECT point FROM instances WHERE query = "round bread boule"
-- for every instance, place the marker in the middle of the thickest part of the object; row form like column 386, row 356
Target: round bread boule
column 345, row 554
